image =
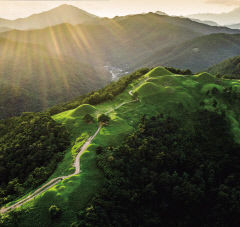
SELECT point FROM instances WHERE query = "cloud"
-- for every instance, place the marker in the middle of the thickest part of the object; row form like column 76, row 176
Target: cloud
column 224, row 2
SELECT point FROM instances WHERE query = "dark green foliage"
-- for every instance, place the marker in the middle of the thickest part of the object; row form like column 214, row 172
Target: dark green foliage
column 103, row 118
column 11, row 220
column 99, row 150
column 30, row 148
column 166, row 175
column 88, row 118
column 228, row 69
column 54, row 211
column 180, row 71
column 102, row 95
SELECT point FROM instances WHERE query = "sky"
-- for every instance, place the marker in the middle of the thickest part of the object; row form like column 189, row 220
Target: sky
column 12, row 9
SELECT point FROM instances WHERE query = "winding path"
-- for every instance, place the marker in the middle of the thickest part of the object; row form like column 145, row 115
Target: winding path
column 56, row 180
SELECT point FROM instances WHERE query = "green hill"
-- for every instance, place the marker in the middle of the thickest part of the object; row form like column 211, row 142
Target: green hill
column 169, row 136
column 229, row 68
column 83, row 110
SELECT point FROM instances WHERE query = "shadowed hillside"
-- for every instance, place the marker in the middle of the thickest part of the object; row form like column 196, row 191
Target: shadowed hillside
column 221, row 18
column 118, row 42
column 41, row 80
column 229, row 68
column 197, row 54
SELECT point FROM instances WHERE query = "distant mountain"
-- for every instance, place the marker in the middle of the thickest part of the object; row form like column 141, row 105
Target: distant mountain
column 161, row 13
column 60, row 62
column 121, row 41
column 35, row 80
column 228, row 67
column 59, row 15
column 234, row 26
column 197, row 54
column 231, row 17
column 211, row 23
column 4, row 29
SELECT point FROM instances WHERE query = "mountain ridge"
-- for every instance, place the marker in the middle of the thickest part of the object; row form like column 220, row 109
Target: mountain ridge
column 226, row 18
column 197, row 54
column 61, row 14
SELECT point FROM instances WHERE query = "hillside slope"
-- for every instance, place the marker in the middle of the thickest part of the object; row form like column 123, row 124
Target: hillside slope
column 193, row 118
column 45, row 79
column 120, row 41
column 197, row 54
column 229, row 67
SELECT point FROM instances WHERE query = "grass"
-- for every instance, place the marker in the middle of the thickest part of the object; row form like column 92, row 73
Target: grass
column 159, row 91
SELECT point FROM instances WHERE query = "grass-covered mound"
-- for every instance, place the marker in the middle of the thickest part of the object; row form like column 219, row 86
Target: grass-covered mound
column 159, row 71
column 205, row 77
column 166, row 80
column 83, row 110
column 147, row 88
column 189, row 83
column 211, row 88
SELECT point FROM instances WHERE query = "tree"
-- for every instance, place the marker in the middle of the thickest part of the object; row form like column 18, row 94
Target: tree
column 88, row 118
column 54, row 211
column 104, row 119
column 99, row 150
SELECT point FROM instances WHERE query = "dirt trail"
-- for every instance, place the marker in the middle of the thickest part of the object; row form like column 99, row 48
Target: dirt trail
column 56, row 180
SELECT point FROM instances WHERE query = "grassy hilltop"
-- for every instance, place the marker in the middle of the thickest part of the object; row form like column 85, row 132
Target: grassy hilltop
column 157, row 92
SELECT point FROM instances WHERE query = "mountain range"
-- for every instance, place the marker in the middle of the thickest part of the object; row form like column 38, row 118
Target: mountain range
column 197, row 54
column 234, row 26
column 120, row 41
column 228, row 18
column 66, row 52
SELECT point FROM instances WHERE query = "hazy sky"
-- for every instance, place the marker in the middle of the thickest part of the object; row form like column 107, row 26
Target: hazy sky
column 13, row 9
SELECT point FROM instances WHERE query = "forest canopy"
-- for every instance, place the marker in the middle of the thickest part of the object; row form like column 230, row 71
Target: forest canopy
column 30, row 148
column 166, row 175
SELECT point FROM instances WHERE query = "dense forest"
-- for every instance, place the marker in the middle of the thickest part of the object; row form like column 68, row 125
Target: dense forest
column 30, row 148
column 167, row 175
